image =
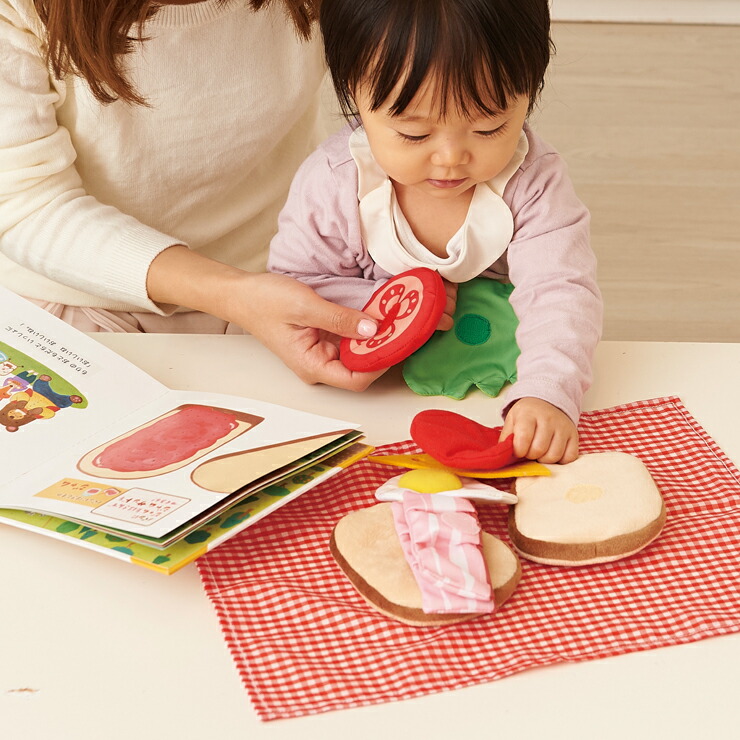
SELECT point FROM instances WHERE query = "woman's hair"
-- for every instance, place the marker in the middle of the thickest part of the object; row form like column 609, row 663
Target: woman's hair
column 482, row 52
column 89, row 38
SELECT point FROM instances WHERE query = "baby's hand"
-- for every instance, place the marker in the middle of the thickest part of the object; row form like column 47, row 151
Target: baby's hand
column 541, row 431
column 445, row 323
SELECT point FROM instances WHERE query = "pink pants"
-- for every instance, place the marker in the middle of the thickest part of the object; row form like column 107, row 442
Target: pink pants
column 89, row 319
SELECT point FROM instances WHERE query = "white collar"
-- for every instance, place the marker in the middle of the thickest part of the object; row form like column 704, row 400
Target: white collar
column 481, row 240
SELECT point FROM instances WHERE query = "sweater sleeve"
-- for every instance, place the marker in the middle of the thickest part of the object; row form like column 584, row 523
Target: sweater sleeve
column 48, row 223
column 319, row 239
column 555, row 296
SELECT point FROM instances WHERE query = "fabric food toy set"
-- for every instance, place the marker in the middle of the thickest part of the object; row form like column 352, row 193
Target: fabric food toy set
column 420, row 556
column 480, row 349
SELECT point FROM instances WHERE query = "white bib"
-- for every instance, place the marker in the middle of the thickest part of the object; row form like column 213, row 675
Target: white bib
column 480, row 241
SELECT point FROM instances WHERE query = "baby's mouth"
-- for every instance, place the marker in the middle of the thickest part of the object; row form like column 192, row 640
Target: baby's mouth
column 446, row 184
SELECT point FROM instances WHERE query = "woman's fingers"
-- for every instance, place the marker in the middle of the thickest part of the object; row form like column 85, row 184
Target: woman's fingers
column 317, row 313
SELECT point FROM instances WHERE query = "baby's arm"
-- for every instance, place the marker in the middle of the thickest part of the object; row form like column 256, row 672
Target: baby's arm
column 319, row 240
column 558, row 303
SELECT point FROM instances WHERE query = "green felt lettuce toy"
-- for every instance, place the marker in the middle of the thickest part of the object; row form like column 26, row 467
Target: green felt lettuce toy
column 480, row 350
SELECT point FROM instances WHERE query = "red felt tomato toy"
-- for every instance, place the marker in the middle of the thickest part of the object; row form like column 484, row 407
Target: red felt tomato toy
column 408, row 308
column 459, row 442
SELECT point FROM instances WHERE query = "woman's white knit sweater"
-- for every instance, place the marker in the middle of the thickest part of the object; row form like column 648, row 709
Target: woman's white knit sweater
column 91, row 193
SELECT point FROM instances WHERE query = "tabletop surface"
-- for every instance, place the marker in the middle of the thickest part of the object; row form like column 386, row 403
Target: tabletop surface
column 93, row 647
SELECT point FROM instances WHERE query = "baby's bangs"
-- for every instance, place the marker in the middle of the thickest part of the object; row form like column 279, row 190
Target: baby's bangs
column 469, row 86
column 480, row 61
column 481, row 53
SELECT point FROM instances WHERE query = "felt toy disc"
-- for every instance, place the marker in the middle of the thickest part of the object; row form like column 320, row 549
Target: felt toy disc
column 459, row 442
column 601, row 507
column 408, row 308
column 367, row 549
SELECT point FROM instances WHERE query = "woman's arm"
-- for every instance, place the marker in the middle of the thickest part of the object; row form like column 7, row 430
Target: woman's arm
column 48, row 222
column 51, row 225
column 286, row 316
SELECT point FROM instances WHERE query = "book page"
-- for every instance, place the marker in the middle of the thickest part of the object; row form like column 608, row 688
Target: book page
column 57, row 386
column 152, row 471
column 87, row 436
column 240, row 516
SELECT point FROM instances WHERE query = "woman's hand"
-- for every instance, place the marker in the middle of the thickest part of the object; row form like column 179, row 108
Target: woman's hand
column 288, row 317
column 541, row 431
column 303, row 330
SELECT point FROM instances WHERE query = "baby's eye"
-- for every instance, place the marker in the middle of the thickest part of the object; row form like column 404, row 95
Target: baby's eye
column 413, row 139
column 492, row 132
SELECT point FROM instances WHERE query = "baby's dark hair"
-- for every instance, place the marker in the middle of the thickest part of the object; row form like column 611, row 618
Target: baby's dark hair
column 483, row 52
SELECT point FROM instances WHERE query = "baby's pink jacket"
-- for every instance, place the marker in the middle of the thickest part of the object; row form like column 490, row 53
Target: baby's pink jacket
column 549, row 261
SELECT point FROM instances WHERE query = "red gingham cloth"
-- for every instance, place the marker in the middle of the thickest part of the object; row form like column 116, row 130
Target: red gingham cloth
column 304, row 641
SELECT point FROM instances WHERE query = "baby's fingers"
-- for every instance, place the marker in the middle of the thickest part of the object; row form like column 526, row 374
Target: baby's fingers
column 571, row 449
column 451, row 304
column 543, row 445
column 524, row 434
column 445, row 322
column 563, row 448
column 553, row 451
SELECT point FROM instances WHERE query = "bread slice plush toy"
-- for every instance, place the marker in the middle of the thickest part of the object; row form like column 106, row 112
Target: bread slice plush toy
column 368, row 548
column 602, row 507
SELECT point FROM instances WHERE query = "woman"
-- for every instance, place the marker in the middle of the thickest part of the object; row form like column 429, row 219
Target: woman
column 146, row 150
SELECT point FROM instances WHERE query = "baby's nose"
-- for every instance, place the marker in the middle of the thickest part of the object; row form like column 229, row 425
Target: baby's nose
column 450, row 154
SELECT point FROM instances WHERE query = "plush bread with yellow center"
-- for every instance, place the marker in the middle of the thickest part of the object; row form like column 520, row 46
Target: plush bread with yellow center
column 367, row 549
column 602, row 507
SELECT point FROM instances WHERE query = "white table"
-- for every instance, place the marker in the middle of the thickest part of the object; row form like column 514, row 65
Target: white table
column 91, row 647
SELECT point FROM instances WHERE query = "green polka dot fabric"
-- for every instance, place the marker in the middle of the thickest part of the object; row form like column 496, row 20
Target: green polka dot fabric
column 480, row 350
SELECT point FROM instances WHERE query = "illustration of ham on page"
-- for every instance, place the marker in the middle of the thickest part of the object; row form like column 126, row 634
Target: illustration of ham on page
column 89, row 437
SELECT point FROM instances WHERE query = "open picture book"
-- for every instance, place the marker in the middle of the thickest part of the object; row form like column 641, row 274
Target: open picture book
column 95, row 451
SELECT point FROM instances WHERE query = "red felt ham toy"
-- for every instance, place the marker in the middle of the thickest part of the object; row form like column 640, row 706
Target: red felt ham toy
column 408, row 308
column 461, row 443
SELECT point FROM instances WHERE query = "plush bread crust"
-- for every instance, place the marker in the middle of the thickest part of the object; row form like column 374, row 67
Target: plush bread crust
column 617, row 495
column 584, row 553
column 367, row 549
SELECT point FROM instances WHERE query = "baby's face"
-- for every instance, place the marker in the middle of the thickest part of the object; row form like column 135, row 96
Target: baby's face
column 440, row 157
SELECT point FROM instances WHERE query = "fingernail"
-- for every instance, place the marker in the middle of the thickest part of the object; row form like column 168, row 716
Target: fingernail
column 367, row 328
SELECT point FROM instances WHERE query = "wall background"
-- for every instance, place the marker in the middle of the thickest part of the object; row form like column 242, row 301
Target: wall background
column 648, row 11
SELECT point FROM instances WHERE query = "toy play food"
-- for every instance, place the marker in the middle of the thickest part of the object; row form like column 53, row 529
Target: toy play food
column 480, row 349
column 602, row 507
column 468, row 488
column 367, row 548
column 459, row 442
column 408, row 308
column 423, row 559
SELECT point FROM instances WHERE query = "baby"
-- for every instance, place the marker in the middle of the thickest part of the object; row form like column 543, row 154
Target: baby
column 438, row 167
